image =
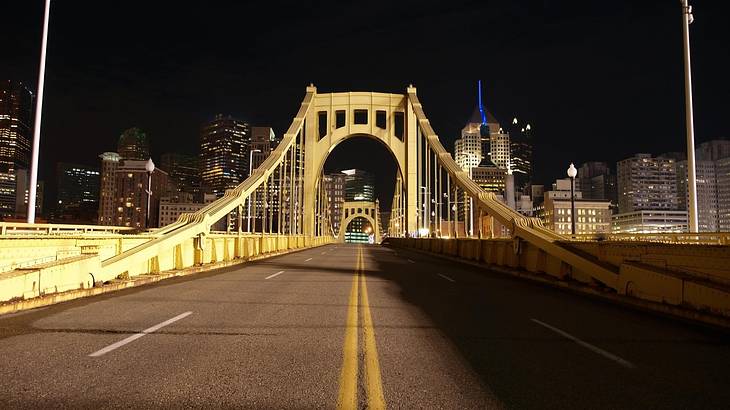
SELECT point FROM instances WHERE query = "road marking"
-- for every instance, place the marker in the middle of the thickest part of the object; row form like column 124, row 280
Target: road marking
column 323, row 252
column 446, row 277
column 373, row 379
column 410, row 261
column 347, row 397
column 308, row 260
column 588, row 346
column 136, row 336
column 274, row 275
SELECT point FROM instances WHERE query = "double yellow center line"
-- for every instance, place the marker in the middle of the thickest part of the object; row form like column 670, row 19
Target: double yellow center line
column 347, row 398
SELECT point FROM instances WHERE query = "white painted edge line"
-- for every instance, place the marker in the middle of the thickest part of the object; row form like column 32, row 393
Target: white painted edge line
column 594, row 349
column 410, row 261
column 274, row 275
column 307, row 260
column 446, row 277
column 323, row 253
column 136, row 336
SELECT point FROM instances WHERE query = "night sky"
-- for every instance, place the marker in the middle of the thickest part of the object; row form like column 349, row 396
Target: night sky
column 598, row 80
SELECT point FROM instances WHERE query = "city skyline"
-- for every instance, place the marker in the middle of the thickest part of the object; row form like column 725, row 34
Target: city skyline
column 634, row 51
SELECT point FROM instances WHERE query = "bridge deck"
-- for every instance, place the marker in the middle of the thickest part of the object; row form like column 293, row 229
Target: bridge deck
column 271, row 335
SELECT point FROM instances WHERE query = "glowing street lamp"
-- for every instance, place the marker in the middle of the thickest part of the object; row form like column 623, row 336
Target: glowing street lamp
column 572, row 173
column 150, row 168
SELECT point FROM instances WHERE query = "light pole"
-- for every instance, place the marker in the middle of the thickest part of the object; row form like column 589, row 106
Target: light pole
column 687, row 19
column 250, row 171
column 37, row 125
column 572, row 172
column 150, row 168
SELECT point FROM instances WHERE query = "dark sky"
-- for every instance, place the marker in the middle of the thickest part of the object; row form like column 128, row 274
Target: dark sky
column 598, row 80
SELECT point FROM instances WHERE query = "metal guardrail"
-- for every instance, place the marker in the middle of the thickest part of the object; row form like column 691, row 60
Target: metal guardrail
column 705, row 238
column 22, row 228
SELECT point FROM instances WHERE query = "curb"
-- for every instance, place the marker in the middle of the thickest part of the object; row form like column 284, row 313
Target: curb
column 117, row 285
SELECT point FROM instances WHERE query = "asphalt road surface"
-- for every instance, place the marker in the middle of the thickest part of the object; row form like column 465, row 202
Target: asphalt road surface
column 356, row 326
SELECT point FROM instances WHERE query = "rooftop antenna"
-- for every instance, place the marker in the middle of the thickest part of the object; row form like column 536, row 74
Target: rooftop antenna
column 481, row 106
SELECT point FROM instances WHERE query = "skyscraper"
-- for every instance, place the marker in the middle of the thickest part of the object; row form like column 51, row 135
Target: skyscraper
column 468, row 148
column 224, row 144
column 109, row 165
column 183, row 175
column 596, row 181
column 359, row 186
column 133, row 145
column 647, row 183
column 77, row 199
column 520, row 135
column 334, row 186
column 15, row 136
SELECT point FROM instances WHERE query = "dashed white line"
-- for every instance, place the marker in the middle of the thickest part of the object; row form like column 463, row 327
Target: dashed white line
column 410, row 261
column 588, row 346
column 323, row 252
column 446, row 277
column 307, row 260
column 136, row 336
column 274, row 275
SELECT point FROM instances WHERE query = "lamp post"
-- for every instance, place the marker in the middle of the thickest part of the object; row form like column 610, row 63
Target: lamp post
column 150, row 168
column 572, row 172
column 37, row 125
column 687, row 19
column 250, row 171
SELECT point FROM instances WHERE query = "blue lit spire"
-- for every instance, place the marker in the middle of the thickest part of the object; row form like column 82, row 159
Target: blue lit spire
column 481, row 106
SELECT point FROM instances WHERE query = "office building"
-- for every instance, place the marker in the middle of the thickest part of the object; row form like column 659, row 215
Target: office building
column 15, row 137
column 468, row 148
column 107, row 198
column 359, row 186
column 334, row 186
column 650, row 221
column 647, row 183
column 78, row 194
column 183, row 175
column 592, row 216
column 22, row 193
column 133, row 144
column 224, row 149
column 520, row 136
column 130, row 195
column 171, row 209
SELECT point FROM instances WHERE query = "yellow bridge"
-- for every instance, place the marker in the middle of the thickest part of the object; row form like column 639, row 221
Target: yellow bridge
column 684, row 275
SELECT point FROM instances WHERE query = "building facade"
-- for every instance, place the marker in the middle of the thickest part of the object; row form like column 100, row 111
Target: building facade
column 521, row 145
column 468, row 148
column 224, row 149
column 183, row 175
column 649, row 221
column 334, row 186
column 107, row 203
column 15, row 137
column 130, row 195
column 647, row 183
column 133, row 144
column 171, row 209
column 78, row 195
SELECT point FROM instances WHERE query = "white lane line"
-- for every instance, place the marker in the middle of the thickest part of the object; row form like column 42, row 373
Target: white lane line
column 588, row 346
column 323, row 252
column 274, row 275
column 410, row 261
column 446, row 277
column 136, row 336
column 307, row 260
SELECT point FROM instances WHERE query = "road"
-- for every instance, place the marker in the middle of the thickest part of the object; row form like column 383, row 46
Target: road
column 349, row 325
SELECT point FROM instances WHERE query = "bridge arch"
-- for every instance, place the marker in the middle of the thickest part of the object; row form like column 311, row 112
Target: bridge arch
column 359, row 209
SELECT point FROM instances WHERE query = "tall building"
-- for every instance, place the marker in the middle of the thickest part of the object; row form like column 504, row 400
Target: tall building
column 263, row 141
column 171, row 208
column 468, row 148
column 183, row 175
column 224, row 144
column 77, row 199
column 598, row 182
column 15, row 137
column 521, row 144
column 334, row 186
column 130, row 194
column 133, row 145
column 107, row 208
column 22, row 183
column 647, row 183
column 359, row 186
column 713, row 185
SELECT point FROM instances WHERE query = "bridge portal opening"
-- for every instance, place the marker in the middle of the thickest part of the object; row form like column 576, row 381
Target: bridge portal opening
column 360, row 230
column 359, row 176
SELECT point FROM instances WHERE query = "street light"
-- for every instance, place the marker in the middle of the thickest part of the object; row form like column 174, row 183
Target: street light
column 687, row 19
column 37, row 125
column 150, row 168
column 250, row 171
column 572, row 173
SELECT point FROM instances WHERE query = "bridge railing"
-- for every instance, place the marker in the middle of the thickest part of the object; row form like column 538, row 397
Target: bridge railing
column 22, row 228
column 705, row 238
